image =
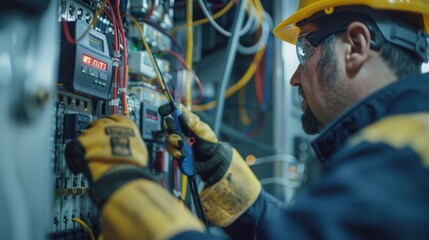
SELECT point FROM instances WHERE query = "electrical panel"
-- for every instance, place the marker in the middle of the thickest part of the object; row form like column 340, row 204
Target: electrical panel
column 89, row 87
column 116, row 57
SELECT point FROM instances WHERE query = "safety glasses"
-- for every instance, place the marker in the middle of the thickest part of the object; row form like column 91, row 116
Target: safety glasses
column 307, row 43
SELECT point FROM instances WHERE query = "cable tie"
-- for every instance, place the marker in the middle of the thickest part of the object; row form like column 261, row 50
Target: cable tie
column 116, row 54
column 114, row 102
column 177, row 194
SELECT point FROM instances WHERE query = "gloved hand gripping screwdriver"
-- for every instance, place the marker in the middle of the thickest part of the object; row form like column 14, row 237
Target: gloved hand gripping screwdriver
column 186, row 163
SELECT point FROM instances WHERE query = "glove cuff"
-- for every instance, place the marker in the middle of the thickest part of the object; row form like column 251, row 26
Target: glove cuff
column 114, row 179
column 229, row 198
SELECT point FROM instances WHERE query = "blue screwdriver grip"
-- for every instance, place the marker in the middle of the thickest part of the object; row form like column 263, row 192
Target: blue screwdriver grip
column 186, row 164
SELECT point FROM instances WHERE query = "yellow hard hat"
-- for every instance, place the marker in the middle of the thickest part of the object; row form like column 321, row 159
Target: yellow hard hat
column 288, row 31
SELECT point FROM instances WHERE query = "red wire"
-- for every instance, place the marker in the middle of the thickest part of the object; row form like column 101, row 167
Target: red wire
column 108, row 15
column 176, row 184
column 258, row 86
column 180, row 92
column 263, row 68
column 151, row 10
column 67, row 34
column 124, row 43
column 258, row 128
column 116, row 68
column 197, row 80
column 259, row 83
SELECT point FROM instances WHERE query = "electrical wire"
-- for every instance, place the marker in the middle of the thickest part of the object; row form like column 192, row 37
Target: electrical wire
column 258, row 6
column 242, row 109
column 256, row 129
column 189, row 48
column 228, row 64
column 91, row 25
column 125, row 61
column 197, row 80
column 151, row 9
column 238, row 85
column 108, row 15
column 267, row 24
column 85, row 226
column 206, row 20
column 248, row 75
column 219, row 28
column 268, row 83
column 154, row 64
column 115, row 59
column 259, row 97
column 259, row 84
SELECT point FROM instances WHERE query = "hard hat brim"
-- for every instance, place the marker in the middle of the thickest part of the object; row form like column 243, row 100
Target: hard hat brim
column 288, row 31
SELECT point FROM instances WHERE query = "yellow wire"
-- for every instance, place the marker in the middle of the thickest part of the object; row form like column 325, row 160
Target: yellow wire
column 184, row 178
column 238, row 85
column 188, row 100
column 248, row 75
column 259, row 9
column 190, row 45
column 158, row 75
column 85, row 226
column 184, row 186
column 242, row 109
column 206, row 20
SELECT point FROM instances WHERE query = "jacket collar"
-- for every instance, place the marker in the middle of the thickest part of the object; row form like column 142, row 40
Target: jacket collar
column 404, row 96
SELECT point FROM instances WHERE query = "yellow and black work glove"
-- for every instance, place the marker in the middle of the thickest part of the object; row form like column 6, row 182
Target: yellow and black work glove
column 231, row 187
column 112, row 155
column 212, row 157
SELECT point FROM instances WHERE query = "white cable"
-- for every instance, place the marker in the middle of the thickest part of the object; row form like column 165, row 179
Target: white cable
column 217, row 26
column 281, row 181
column 252, row 18
column 267, row 24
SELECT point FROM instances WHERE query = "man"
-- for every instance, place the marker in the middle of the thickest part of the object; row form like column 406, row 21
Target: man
column 362, row 88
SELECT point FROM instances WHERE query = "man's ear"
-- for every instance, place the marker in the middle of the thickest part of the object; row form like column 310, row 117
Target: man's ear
column 358, row 41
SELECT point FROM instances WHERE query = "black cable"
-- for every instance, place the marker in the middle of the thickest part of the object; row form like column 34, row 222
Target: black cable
column 197, row 201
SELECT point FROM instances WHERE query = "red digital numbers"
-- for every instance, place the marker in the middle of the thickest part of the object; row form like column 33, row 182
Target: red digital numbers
column 93, row 62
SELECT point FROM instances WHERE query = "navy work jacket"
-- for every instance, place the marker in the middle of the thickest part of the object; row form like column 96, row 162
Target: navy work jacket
column 377, row 181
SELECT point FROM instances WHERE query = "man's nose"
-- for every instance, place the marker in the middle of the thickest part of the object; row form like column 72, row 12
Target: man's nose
column 295, row 80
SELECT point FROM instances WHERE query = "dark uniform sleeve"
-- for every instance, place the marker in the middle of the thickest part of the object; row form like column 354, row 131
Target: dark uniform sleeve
column 190, row 235
column 371, row 191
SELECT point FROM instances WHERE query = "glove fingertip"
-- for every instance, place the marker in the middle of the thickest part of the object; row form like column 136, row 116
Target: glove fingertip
column 180, row 142
column 171, row 126
column 75, row 156
column 165, row 109
column 184, row 124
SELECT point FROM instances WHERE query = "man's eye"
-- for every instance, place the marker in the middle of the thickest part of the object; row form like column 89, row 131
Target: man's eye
column 302, row 51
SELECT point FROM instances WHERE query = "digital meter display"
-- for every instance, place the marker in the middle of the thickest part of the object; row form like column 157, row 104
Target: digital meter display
column 150, row 114
column 93, row 62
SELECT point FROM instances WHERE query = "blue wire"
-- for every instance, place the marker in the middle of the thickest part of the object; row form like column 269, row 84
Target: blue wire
column 268, row 72
column 267, row 88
